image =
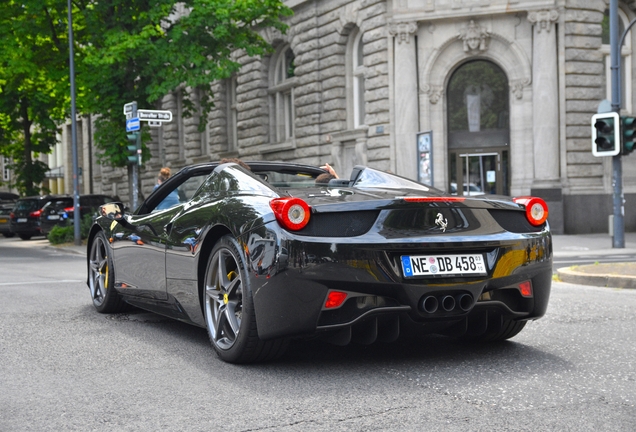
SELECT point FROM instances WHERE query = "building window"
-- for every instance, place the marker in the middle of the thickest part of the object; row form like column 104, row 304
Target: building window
column 355, row 80
column 358, row 81
column 478, row 118
column 626, row 61
column 205, row 134
column 180, row 125
column 232, row 115
column 282, row 96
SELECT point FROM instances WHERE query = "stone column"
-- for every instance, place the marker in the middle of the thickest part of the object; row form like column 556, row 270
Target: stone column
column 545, row 98
column 545, row 116
column 406, row 97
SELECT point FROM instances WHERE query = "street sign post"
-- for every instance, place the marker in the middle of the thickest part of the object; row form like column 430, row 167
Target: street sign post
column 133, row 124
column 154, row 115
column 134, row 117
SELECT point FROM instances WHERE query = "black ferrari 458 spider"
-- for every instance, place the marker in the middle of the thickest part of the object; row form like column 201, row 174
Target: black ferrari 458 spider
column 263, row 256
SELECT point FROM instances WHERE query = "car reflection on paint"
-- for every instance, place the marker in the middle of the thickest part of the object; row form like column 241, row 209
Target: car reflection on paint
column 264, row 256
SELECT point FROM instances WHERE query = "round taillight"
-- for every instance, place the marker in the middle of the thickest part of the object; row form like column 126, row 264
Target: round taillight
column 292, row 213
column 536, row 209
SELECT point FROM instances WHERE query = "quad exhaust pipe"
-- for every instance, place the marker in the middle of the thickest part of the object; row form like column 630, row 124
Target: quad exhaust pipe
column 447, row 303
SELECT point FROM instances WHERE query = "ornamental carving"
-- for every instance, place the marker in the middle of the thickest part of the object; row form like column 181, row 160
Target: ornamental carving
column 543, row 19
column 516, row 87
column 434, row 93
column 475, row 37
column 402, row 30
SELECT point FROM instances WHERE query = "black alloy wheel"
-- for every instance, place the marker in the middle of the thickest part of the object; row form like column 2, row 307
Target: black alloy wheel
column 101, row 277
column 229, row 309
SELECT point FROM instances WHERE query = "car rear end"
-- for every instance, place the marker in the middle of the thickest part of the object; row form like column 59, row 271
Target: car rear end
column 5, row 220
column 449, row 265
column 55, row 213
column 25, row 217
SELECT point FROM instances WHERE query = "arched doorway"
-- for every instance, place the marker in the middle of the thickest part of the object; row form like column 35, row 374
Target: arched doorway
column 478, row 130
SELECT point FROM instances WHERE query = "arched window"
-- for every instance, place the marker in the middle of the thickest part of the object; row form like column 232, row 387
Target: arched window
column 282, row 96
column 355, row 80
column 232, row 114
column 626, row 60
column 478, row 129
column 358, row 81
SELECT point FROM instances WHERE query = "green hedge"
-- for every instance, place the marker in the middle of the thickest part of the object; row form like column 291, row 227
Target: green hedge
column 66, row 234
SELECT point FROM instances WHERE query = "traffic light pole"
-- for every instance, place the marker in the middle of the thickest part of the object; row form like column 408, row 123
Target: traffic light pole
column 618, row 234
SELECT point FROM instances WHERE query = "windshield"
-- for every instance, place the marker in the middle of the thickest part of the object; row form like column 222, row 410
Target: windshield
column 233, row 180
column 370, row 177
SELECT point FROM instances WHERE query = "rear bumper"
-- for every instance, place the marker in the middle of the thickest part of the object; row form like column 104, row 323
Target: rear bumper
column 290, row 279
column 28, row 228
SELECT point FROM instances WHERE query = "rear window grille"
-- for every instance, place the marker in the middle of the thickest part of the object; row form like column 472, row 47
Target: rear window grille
column 339, row 224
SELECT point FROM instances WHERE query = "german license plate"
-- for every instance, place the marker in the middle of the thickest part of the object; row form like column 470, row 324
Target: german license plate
column 53, row 217
column 22, row 220
column 450, row 265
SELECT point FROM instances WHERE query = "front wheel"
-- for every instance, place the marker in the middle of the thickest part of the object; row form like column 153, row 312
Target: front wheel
column 229, row 309
column 101, row 277
column 25, row 236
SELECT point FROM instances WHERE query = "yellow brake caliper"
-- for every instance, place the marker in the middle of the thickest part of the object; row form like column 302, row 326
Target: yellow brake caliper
column 106, row 278
column 231, row 275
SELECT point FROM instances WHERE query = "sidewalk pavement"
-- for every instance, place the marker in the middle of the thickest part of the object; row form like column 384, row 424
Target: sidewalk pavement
column 619, row 274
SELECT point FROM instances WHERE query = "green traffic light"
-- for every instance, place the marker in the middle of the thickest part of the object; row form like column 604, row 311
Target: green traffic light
column 628, row 129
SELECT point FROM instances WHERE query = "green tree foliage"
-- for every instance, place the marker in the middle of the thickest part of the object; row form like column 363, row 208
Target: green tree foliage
column 34, row 84
column 139, row 50
column 125, row 50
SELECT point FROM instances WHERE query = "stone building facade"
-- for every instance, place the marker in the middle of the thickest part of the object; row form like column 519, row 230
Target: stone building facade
column 502, row 90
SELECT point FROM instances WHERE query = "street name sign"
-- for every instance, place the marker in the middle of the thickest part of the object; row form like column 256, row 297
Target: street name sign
column 133, row 124
column 154, row 115
column 128, row 108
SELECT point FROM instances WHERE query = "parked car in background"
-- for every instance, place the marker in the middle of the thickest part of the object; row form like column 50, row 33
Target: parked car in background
column 25, row 217
column 7, row 201
column 469, row 189
column 8, row 197
column 59, row 212
column 5, row 217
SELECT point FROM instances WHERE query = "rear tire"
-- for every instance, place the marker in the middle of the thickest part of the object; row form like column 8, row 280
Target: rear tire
column 101, row 277
column 229, row 309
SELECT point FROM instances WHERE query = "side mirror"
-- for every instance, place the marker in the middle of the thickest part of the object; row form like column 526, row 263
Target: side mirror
column 113, row 211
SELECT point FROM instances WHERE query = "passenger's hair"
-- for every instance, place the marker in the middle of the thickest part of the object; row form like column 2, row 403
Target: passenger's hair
column 236, row 161
column 164, row 174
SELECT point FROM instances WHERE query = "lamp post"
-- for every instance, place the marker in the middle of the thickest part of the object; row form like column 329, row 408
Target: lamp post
column 76, row 205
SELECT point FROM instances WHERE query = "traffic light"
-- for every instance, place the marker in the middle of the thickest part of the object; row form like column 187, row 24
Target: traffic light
column 131, row 148
column 606, row 134
column 628, row 129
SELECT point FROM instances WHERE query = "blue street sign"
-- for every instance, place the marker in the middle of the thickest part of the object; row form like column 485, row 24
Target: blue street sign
column 132, row 124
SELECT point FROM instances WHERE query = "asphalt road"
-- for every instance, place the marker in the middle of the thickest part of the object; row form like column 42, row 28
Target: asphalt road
column 65, row 367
